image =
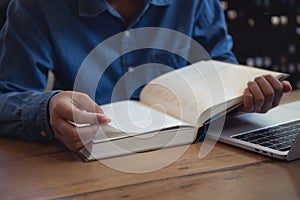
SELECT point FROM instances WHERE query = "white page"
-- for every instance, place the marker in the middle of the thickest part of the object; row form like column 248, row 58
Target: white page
column 189, row 91
column 133, row 117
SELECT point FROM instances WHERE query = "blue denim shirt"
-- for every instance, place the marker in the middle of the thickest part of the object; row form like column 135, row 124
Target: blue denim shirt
column 58, row 35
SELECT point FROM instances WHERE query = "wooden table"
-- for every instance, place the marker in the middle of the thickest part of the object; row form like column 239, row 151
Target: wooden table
column 49, row 171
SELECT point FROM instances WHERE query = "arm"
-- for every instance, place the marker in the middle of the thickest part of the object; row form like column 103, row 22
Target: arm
column 25, row 59
column 27, row 111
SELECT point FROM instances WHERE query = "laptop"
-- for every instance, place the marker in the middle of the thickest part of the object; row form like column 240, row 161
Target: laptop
column 274, row 134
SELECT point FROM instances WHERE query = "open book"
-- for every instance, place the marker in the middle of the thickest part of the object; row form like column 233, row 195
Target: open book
column 172, row 108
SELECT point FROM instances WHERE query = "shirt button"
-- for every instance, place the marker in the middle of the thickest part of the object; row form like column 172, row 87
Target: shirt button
column 130, row 69
column 127, row 33
column 43, row 133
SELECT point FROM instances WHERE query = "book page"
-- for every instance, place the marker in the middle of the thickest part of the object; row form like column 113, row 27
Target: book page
column 131, row 118
column 197, row 88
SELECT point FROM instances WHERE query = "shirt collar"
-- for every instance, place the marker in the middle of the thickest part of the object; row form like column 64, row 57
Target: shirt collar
column 94, row 7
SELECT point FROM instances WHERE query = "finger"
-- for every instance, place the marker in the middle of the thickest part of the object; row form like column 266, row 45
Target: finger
column 87, row 133
column 72, row 145
column 63, row 139
column 268, row 92
column 58, row 135
column 62, row 106
column 75, row 146
column 247, row 101
column 287, row 87
column 68, row 131
column 75, row 133
column 258, row 97
column 83, row 117
column 84, row 102
column 277, row 87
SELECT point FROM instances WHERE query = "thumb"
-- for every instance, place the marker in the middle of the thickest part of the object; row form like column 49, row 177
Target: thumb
column 84, row 102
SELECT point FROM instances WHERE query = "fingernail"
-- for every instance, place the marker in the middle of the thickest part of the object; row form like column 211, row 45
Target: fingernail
column 104, row 119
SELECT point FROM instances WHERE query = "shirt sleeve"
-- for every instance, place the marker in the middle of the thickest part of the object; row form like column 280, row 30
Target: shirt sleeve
column 211, row 31
column 25, row 59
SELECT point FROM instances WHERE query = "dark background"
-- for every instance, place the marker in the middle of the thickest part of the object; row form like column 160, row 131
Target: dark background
column 266, row 34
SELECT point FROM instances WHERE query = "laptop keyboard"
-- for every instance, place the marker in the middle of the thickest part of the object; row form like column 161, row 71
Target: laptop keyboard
column 279, row 137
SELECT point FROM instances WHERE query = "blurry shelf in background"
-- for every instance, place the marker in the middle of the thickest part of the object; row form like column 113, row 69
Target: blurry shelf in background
column 266, row 34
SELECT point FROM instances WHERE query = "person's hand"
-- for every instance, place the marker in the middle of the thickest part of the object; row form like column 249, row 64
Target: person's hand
column 69, row 108
column 264, row 93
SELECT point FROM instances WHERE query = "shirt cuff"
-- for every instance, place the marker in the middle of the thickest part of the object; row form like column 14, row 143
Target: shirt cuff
column 35, row 116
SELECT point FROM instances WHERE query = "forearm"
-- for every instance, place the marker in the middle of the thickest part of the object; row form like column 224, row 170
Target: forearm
column 24, row 115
